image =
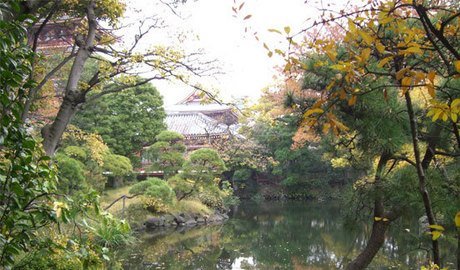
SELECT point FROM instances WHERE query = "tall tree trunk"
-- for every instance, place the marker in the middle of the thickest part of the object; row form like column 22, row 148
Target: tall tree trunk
column 73, row 96
column 52, row 133
column 421, row 174
column 374, row 244
column 379, row 226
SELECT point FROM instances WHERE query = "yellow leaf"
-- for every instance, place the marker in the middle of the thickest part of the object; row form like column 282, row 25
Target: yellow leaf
column 438, row 113
column 339, row 67
column 454, row 117
column 444, row 116
column 400, row 74
column 384, row 61
column 330, row 85
column 280, row 52
column 366, row 37
column 339, row 125
column 270, row 54
column 365, row 54
column 385, row 219
column 436, row 235
column 431, row 91
column 385, row 20
column 352, row 100
column 312, row 111
column 457, row 65
column 431, row 75
column 455, row 105
column 287, row 29
column 351, row 26
column 380, row 47
column 414, row 50
column 377, row 218
column 287, row 67
column 332, row 55
column 406, row 82
column 274, row 31
column 457, row 219
column 326, row 128
column 436, row 227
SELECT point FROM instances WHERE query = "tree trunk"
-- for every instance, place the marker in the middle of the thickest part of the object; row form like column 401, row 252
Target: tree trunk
column 73, row 96
column 373, row 246
column 52, row 133
column 421, row 175
column 379, row 227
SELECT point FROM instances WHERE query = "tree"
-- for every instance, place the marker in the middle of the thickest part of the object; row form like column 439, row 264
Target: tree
column 92, row 40
column 409, row 47
column 156, row 192
column 200, row 172
column 127, row 121
column 27, row 180
column 167, row 153
column 87, row 154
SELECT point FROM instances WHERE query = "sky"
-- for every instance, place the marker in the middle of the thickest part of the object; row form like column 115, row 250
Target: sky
column 212, row 26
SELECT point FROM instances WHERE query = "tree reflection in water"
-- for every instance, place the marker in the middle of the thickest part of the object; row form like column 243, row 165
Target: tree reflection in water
column 275, row 235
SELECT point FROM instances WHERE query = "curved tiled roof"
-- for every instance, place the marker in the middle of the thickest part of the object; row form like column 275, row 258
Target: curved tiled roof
column 194, row 124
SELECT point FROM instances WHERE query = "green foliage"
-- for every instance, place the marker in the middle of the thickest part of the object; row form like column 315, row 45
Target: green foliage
column 242, row 175
column 76, row 152
column 202, row 170
column 127, row 121
column 71, row 174
column 204, row 165
column 157, row 193
column 171, row 137
column 167, row 154
column 181, row 186
column 301, row 170
column 95, row 159
column 117, row 165
column 27, row 180
column 111, row 232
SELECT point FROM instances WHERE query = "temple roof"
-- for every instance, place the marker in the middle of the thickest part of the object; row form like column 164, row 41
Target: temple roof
column 197, row 107
column 194, row 124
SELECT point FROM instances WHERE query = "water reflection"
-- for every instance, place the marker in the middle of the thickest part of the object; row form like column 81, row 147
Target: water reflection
column 274, row 235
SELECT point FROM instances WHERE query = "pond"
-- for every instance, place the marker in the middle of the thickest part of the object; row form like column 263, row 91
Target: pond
column 276, row 235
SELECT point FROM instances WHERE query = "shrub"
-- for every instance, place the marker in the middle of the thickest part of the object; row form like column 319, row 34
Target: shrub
column 157, row 193
column 76, row 152
column 71, row 174
column 117, row 165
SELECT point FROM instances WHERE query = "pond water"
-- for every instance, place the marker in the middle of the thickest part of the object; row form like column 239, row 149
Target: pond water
column 276, row 235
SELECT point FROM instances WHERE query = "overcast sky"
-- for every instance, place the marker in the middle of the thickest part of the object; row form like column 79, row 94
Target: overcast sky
column 210, row 24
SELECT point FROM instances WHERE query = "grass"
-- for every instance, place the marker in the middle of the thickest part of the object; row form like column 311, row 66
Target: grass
column 191, row 206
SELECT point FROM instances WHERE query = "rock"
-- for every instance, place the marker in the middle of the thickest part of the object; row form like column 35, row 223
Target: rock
column 200, row 220
column 179, row 219
column 153, row 222
column 186, row 216
column 169, row 220
column 190, row 222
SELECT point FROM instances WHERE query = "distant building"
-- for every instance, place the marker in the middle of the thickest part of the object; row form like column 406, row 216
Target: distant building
column 200, row 120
